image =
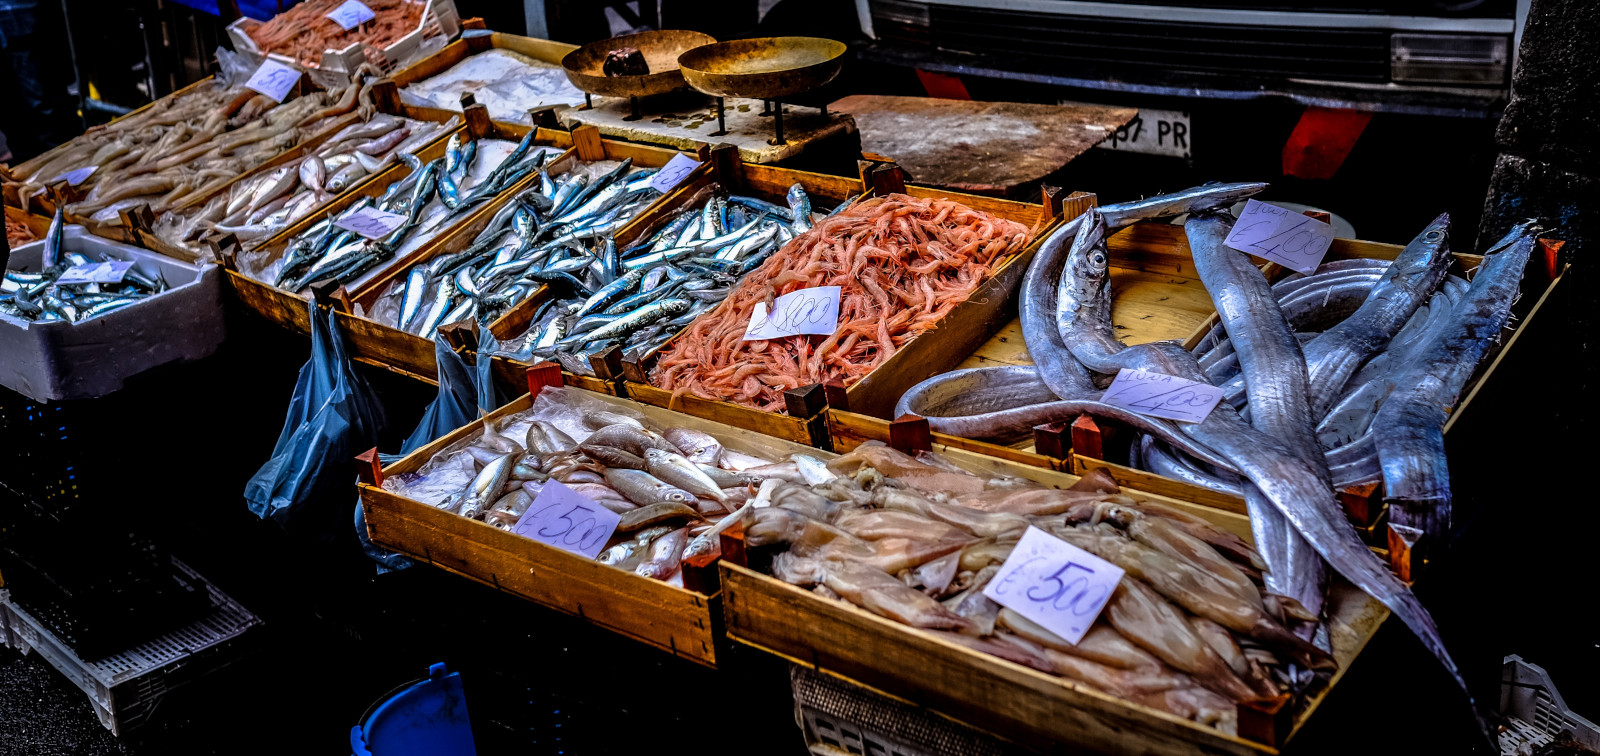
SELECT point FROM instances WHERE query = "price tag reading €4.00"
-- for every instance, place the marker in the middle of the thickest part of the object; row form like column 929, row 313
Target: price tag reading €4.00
column 274, row 79
column 566, row 519
column 371, row 222
column 108, row 272
column 1162, row 395
column 1288, row 238
column 351, row 14
column 1054, row 583
column 814, row 311
column 673, row 173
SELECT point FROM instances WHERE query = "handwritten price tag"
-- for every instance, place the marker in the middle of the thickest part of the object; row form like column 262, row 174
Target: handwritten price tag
column 371, row 222
column 673, row 173
column 565, row 519
column 814, row 311
column 1288, row 238
column 273, row 79
column 1054, row 583
column 351, row 14
column 76, row 177
column 108, row 272
column 1161, row 395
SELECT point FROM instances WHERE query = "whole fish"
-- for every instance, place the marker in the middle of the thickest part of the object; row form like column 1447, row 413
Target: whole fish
column 666, row 553
column 677, row 470
column 642, row 488
column 651, row 514
column 486, row 487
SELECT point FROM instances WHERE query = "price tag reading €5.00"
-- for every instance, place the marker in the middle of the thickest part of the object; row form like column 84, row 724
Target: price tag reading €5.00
column 566, row 519
column 1162, row 395
column 673, row 173
column 1288, row 238
column 351, row 14
column 371, row 222
column 108, row 272
column 814, row 311
column 273, row 79
column 1054, row 583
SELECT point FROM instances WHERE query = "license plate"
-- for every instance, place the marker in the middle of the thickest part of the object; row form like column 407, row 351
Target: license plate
column 1153, row 132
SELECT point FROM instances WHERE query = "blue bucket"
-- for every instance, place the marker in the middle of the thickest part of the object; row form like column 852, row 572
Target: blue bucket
column 424, row 718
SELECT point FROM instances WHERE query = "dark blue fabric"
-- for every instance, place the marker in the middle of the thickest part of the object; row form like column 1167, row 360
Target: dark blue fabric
column 333, row 416
column 260, row 10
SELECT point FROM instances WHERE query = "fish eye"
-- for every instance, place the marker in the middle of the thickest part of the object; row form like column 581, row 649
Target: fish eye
column 1435, row 235
column 1097, row 259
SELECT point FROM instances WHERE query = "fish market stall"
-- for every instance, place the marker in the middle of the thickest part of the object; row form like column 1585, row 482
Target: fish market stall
column 332, row 41
column 508, row 74
column 873, row 367
column 82, row 314
column 652, row 578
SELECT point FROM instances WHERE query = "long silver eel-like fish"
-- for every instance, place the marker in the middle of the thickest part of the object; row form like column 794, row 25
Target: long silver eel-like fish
column 1409, row 427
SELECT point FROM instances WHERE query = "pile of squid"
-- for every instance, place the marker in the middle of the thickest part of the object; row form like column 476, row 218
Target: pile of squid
column 430, row 197
column 1369, row 392
column 1189, row 630
column 184, row 147
column 38, row 296
column 651, row 291
column 676, row 489
column 256, row 209
column 557, row 231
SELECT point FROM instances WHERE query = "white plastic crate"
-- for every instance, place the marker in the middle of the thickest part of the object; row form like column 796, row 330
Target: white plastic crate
column 1535, row 712
column 440, row 23
column 124, row 688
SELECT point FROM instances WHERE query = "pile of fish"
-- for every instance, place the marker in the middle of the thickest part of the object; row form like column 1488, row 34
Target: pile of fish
column 651, row 291
column 901, row 264
column 257, row 208
column 38, row 297
column 470, row 173
column 557, row 231
column 184, row 147
column 675, row 488
column 1372, row 388
column 1188, row 631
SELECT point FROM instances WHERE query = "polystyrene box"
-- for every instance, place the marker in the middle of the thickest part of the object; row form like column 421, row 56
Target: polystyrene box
column 57, row 360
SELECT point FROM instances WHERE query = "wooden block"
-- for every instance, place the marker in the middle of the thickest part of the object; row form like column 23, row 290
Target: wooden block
column 888, row 178
column 1052, row 196
column 331, row 294
column 478, row 124
column 1549, row 253
column 462, row 335
column 368, row 469
column 544, row 116
column 634, row 370
column 1266, row 720
column 805, row 401
column 385, row 96
column 1403, row 559
column 864, row 170
column 1078, row 203
column 836, row 394
column 732, row 544
column 700, row 574
column 910, row 434
column 586, row 140
column 1087, row 438
column 473, row 23
column 725, row 167
column 607, row 363
column 1053, row 440
column 541, row 375
column 1363, row 503
column 1319, row 215
column 136, row 219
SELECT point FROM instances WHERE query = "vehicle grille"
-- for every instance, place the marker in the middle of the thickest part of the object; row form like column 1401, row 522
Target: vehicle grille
column 1163, row 46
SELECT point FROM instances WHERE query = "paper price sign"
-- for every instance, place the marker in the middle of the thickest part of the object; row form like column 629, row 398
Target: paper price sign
column 108, row 272
column 565, row 519
column 273, row 79
column 1053, row 583
column 1161, row 395
column 371, row 222
column 673, row 173
column 76, row 177
column 351, row 14
column 1288, row 238
column 814, row 311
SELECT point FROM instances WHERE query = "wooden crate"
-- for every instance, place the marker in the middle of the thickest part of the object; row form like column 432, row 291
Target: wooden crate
column 1158, row 296
column 1010, row 701
column 965, row 327
column 681, row 621
column 38, row 224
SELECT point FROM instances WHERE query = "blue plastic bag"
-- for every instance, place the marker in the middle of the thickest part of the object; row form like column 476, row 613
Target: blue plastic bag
column 333, row 415
column 464, row 393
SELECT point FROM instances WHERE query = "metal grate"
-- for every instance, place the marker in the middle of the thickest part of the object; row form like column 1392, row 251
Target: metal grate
column 838, row 717
column 1123, row 44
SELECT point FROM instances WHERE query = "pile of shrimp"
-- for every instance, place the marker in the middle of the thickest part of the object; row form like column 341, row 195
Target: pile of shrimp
column 901, row 264
column 18, row 233
column 305, row 31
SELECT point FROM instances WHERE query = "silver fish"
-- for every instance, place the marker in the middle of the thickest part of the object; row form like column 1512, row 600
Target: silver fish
column 643, row 489
column 486, row 487
column 677, row 470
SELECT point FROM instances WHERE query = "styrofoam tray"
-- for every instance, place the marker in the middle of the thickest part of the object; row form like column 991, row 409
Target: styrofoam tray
column 440, row 24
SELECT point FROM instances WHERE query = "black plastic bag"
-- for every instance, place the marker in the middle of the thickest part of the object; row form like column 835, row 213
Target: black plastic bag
column 464, row 393
column 333, row 415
